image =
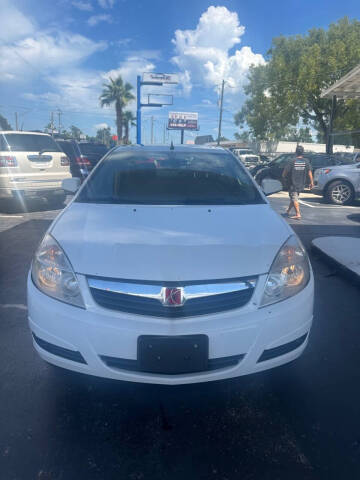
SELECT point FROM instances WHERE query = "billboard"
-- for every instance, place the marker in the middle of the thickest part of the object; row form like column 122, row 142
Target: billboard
column 183, row 121
column 159, row 78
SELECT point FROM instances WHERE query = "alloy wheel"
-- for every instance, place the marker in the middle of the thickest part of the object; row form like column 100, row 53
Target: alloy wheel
column 341, row 193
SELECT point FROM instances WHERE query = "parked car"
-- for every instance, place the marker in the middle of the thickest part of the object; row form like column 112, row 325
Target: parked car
column 184, row 273
column 275, row 168
column 247, row 156
column 83, row 155
column 339, row 185
column 32, row 165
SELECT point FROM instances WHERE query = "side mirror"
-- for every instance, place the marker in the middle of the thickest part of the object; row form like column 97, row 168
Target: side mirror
column 70, row 185
column 270, row 186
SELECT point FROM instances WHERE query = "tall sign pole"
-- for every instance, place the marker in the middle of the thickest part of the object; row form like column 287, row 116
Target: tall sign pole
column 138, row 110
column 221, row 111
column 155, row 79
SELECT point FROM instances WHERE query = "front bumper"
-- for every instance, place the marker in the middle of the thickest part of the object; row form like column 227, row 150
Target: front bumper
column 97, row 333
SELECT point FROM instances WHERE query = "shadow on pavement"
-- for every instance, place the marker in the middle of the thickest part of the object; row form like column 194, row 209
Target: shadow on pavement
column 31, row 205
column 355, row 217
column 308, row 232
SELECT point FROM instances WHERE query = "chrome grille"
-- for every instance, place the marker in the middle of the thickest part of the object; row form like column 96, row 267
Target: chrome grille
column 148, row 298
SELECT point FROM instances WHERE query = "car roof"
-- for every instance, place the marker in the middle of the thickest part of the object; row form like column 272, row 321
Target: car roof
column 166, row 148
column 21, row 132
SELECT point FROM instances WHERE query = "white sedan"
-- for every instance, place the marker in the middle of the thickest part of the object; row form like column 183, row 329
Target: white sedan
column 169, row 266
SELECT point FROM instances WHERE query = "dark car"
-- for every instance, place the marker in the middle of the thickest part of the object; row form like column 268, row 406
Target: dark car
column 275, row 168
column 83, row 155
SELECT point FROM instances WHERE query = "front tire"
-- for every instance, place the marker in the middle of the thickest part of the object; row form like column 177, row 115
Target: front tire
column 340, row 192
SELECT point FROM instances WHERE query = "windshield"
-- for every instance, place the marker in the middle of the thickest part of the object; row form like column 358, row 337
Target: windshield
column 88, row 148
column 170, row 178
column 18, row 142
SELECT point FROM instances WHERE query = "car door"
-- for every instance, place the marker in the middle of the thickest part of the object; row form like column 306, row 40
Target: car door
column 278, row 165
column 355, row 174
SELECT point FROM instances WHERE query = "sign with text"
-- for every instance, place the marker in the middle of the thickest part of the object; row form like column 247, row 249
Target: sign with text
column 159, row 78
column 183, row 121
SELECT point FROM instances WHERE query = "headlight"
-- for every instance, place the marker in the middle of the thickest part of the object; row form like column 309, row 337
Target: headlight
column 289, row 273
column 52, row 273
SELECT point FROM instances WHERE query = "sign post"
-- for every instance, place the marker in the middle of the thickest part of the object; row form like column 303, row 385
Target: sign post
column 150, row 78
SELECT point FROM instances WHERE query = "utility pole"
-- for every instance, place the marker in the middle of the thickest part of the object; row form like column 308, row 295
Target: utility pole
column 152, row 130
column 59, row 112
column 221, row 111
column 52, row 124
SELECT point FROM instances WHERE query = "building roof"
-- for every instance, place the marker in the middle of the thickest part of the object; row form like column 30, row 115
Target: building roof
column 347, row 87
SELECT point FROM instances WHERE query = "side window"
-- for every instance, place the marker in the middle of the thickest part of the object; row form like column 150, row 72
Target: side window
column 67, row 148
column 319, row 162
column 282, row 161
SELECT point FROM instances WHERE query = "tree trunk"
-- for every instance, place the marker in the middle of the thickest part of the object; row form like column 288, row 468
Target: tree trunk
column 127, row 133
column 119, row 122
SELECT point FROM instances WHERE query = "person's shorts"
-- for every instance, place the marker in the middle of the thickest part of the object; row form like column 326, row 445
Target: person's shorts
column 294, row 195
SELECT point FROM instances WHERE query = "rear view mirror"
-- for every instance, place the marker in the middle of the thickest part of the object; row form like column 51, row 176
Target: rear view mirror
column 71, row 185
column 270, row 186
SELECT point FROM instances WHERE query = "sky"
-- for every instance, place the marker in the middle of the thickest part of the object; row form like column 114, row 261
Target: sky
column 56, row 55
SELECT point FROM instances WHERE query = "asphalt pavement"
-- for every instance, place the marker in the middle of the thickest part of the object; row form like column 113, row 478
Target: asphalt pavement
column 299, row 421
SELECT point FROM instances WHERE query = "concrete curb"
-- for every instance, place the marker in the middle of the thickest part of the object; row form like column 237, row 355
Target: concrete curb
column 342, row 267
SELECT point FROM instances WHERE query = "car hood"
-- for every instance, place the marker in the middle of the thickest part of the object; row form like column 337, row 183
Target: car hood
column 170, row 243
column 339, row 168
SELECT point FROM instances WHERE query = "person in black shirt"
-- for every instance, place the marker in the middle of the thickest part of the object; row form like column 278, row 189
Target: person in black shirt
column 295, row 175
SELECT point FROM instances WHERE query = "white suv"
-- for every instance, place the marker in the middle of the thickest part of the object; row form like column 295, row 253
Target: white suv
column 170, row 266
column 32, row 164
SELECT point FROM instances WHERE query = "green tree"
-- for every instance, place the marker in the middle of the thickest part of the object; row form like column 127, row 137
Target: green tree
column 129, row 121
column 118, row 92
column 266, row 118
column 302, row 134
column 103, row 135
column 288, row 88
column 75, row 132
column 4, row 124
column 244, row 136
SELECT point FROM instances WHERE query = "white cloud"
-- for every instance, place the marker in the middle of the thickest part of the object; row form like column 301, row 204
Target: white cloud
column 203, row 54
column 123, row 42
column 95, row 19
column 43, row 53
column 84, row 6
column 130, row 68
column 13, row 23
column 147, row 54
column 106, row 3
column 79, row 90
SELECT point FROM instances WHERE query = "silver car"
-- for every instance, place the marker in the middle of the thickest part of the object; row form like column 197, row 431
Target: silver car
column 339, row 185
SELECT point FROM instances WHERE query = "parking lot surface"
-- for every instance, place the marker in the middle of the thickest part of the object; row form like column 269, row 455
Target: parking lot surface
column 300, row 421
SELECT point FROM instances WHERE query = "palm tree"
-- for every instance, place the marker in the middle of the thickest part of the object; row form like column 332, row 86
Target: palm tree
column 118, row 92
column 129, row 121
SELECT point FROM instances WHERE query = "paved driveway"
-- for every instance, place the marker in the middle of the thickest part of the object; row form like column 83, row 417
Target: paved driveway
column 300, row 421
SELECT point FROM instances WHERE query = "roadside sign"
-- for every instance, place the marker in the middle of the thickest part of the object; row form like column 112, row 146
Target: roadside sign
column 183, row 121
column 159, row 78
column 115, row 138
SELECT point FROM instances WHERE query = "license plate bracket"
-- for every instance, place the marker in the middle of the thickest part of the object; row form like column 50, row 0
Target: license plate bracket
column 171, row 355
